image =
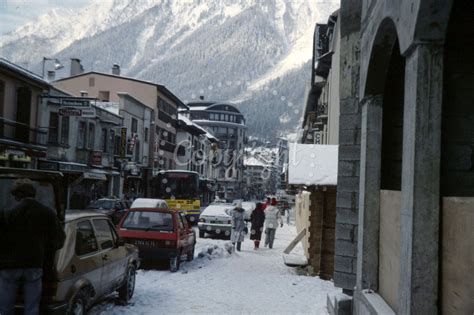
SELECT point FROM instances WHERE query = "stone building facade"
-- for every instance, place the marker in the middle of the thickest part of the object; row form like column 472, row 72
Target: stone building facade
column 406, row 177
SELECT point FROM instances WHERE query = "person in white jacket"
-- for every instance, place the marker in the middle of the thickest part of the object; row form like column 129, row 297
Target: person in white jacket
column 272, row 220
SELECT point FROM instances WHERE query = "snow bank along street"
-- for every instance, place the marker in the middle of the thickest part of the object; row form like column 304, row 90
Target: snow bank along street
column 247, row 282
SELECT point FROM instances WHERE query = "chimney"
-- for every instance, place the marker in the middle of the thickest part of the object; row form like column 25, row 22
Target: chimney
column 76, row 67
column 51, row 75
column 201, row 97
column 116, row 69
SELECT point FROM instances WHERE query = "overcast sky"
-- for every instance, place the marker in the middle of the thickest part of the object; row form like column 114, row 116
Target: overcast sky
column 15, row 13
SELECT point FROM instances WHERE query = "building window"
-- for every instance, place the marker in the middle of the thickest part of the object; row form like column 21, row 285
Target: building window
column 91, row 136
column 65, row 130
column 103, row 140
column 146, row 134
column 134, row 125
column 91, row 81
column 104, row 96
column 53, row 127
column 81, row 135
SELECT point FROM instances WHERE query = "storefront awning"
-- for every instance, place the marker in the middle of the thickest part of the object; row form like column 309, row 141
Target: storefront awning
column 313, row 164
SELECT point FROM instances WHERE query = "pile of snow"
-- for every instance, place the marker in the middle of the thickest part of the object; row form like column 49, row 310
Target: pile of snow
column 215, row 251
column 312, row 164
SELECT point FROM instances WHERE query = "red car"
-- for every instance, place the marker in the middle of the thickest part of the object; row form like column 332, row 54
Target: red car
column 159, row 234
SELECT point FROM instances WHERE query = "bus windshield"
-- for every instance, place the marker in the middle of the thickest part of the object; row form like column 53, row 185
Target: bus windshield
column 177, row 185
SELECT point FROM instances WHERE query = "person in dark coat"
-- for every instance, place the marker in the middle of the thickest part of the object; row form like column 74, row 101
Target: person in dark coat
column 257, row 218
column 31, row 234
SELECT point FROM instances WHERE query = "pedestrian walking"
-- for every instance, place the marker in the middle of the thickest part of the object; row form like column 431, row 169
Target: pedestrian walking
column 287, row 213
column 30, row 235
column 272, row 220
column 238, row 226
column 257, row 218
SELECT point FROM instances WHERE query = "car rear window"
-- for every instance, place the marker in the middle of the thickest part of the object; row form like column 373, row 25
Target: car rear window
column 148, row 220
column 102, row 204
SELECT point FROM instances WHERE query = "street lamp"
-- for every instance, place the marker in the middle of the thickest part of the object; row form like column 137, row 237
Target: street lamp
column 57, row 64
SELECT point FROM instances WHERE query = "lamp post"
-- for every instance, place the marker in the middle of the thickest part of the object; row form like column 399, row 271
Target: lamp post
column 57, row 64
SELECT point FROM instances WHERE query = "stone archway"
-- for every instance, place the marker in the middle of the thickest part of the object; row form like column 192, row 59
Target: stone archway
column 381, row 166
column 457, row 164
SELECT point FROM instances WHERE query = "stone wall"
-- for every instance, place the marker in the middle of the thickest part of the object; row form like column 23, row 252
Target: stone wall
column 349, row 148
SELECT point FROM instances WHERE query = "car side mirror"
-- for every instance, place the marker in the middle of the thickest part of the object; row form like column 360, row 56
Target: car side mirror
column 120, row 242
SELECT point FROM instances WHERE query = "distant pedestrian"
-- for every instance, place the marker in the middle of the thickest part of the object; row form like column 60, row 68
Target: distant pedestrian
column 257, row 218
column 31, row 234
column 287, row 209
column 272, row 219
column 238, row 226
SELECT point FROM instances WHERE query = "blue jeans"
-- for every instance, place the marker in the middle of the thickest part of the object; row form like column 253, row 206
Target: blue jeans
column 30, row 280
column 269, row 237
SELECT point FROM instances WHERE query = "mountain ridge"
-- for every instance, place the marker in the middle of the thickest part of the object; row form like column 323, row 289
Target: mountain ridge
column 254, row 53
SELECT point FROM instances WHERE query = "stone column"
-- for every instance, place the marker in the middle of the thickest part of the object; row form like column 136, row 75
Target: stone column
column 369, row 193
column 421, row 180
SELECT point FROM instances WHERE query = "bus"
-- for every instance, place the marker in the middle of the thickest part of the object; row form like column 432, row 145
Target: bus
column 180, row 189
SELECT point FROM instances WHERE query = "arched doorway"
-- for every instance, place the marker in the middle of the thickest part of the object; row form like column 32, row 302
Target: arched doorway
column 381, row 166
column 457, row 163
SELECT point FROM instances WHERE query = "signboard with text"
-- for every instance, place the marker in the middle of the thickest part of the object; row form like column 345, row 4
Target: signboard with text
column 123, row 142
column 72, row 102
column 77, row 112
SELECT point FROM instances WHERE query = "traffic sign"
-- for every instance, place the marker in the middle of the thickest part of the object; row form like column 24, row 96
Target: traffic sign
column 71, row 102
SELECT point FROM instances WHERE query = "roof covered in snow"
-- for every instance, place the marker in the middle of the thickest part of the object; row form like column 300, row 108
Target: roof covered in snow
column 252, row 161
column 191, row 123
column 313, row 164
column 22, row 71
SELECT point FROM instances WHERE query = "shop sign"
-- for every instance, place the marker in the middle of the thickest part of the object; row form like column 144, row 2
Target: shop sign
column 75, row 102
column 123, row 142
column 77, row 112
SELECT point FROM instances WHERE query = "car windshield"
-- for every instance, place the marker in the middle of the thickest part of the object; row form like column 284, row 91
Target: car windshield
column 149, row 220
column 101, row 204
column 44, row 193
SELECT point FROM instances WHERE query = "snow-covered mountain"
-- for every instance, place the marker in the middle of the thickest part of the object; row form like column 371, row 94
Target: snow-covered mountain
column 253, row 52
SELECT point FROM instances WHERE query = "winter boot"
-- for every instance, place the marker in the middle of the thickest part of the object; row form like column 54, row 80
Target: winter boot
column 257, row 243
column 238, row 246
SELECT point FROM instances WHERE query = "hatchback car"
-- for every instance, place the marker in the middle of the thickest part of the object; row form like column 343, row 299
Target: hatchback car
column 159, row 234
column 93, row 263
column 216, row 219
column 114, row 208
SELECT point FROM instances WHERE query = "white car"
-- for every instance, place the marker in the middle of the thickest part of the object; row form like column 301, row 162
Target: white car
column 149, row 203
column 216, row 219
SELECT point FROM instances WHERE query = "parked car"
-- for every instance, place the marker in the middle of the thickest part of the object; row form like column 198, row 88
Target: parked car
column 216, row 219
column 114, row 208
column 149, row 203
column 160, row 234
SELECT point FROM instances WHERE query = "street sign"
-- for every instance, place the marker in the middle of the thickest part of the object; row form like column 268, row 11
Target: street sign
column 71, row 102
column 123, row 142
column 77, row 112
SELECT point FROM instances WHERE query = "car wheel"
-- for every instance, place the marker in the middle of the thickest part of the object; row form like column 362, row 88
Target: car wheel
column 175, row 262
column 128, row 287
column 201, row 234
column 78, row 304
column 190, row 255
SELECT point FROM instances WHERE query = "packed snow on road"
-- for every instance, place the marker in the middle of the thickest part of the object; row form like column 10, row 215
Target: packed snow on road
column 217, row 282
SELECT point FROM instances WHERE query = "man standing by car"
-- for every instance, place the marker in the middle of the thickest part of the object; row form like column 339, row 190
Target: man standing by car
column 272, row 219
column 30, row 235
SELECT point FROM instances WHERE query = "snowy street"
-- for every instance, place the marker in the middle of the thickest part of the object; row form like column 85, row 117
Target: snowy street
column 247, row 282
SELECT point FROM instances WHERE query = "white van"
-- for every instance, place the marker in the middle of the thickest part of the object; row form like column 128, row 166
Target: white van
column 149, row 203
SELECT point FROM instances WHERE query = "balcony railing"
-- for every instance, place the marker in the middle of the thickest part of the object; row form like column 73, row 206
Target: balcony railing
column 19, row 132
